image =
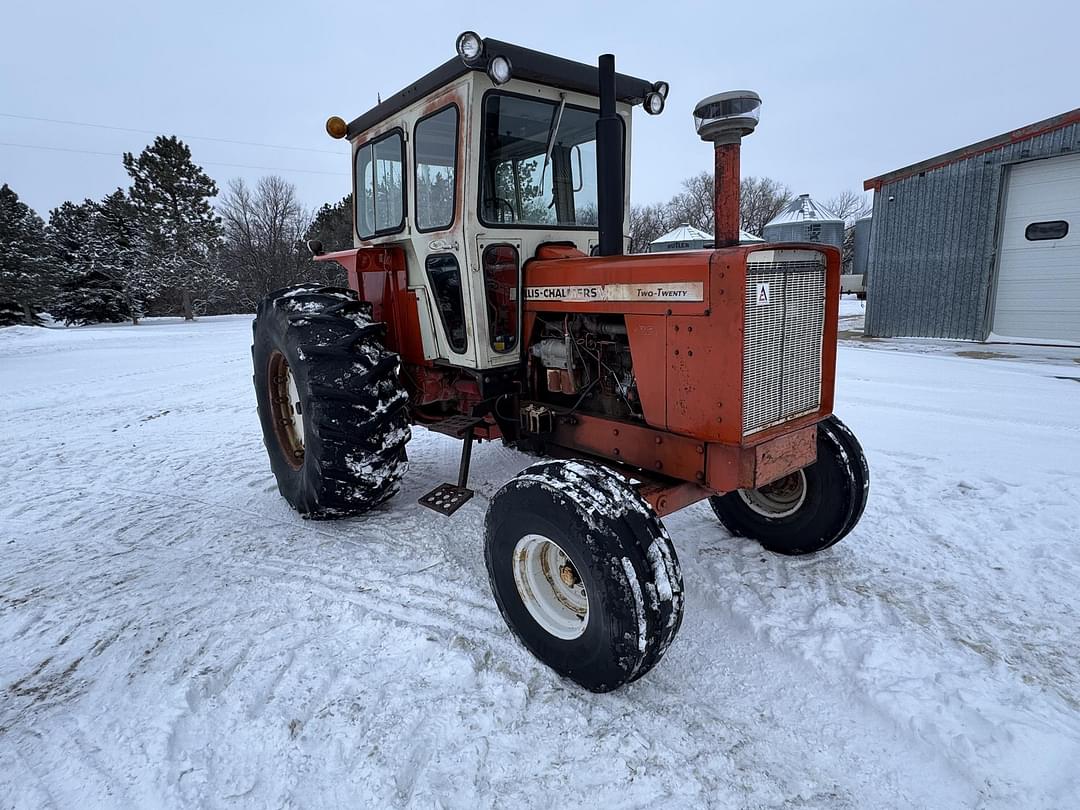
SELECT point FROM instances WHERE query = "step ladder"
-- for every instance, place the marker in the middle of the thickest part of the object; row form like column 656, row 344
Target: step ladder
column 448, row 498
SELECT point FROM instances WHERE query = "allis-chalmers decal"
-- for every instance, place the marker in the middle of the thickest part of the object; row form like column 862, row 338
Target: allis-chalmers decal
column 676, row 291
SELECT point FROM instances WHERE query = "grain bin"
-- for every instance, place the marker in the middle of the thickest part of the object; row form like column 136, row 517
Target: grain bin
column 804, row 220
column 862, row 246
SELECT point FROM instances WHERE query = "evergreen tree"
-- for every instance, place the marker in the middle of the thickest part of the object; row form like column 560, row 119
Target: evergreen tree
column 122, row 251
column 26, row 280
column 171, row 198
column 86, row 294
column 70, row 241
column 92, row 297
column 332, row 227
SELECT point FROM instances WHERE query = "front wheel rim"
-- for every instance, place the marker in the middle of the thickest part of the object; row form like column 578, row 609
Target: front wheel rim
column 550, row 587
column 780, row 499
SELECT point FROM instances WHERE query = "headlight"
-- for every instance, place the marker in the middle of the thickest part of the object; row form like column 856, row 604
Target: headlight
column 499, row 70
column 470, row 47
column 654, row 103
column 661, row 88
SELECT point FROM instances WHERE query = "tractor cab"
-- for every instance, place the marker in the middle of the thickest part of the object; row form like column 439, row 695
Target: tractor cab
column 466, row 173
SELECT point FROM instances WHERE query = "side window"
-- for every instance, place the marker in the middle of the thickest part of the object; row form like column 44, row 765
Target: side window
column 380, row 187
column 435, row 158
column 445, row 277
column 500, row 286
column 1054, row 229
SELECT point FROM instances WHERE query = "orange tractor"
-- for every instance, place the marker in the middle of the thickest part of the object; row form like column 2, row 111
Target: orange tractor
column 489, row 299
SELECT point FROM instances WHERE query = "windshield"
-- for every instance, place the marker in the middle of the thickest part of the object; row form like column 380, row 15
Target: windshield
column 517, row 188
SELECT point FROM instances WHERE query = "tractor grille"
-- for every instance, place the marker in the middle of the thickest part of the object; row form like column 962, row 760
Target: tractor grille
column 785, row 318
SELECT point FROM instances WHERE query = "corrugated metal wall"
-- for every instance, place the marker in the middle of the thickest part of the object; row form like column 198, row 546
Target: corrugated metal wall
column 932, row 244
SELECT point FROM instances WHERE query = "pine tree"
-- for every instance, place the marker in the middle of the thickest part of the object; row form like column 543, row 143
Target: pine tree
column 92, row 297
column 123, row 250
column 171, row 198
column 69, row 237
column 26, row 280
column 333, row 225
column 333, row 229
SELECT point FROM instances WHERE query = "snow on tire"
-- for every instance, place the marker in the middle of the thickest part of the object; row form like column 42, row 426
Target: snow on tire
column 334, row 415
column 583, row 572
column 810, row 509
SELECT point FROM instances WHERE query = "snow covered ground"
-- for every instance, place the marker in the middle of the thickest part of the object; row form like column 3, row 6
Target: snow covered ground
column 174, row 636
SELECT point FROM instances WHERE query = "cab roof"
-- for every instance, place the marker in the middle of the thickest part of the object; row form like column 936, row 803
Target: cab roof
column 528, row 65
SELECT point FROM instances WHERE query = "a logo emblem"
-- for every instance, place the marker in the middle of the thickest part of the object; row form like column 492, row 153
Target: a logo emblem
column 762, row 293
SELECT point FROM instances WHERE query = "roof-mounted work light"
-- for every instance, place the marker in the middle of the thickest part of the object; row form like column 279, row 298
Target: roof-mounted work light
column 470, row 47
column 499, row 69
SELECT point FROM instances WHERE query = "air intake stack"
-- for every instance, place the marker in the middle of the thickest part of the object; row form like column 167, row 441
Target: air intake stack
column 725, row 119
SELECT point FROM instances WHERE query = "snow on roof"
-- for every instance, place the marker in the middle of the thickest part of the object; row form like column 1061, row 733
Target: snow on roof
column 801, row 209
column 683, row 233
column 688, row 233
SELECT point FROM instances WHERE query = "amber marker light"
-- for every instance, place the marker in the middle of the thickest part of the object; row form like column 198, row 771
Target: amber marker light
column 336, row 127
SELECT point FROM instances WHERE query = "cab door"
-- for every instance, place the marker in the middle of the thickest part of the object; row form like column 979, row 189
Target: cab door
column 438, row 144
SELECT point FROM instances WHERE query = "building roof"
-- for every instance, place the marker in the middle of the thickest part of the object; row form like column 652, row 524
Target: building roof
column 526, row 64
column 1021, row 134
column 803, row 209
column 688, row 233
column 683, row 233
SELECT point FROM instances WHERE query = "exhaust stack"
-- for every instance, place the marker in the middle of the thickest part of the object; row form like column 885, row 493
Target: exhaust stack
column 609, row 164
column 725, row 119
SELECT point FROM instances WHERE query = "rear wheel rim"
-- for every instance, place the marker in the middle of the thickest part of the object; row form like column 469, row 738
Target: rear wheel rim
column 286, row 410
column 780, row 499
column 550, row 587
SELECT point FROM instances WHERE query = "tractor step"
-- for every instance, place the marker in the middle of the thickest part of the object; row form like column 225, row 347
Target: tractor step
column 446, row 498
column 455, row 426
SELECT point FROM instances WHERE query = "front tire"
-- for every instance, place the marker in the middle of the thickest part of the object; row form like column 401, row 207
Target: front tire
column 583, row 572
column 812, row 508
column 334, row 415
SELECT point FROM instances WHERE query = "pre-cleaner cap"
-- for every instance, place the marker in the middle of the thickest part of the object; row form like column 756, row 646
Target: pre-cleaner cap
column 727, row 116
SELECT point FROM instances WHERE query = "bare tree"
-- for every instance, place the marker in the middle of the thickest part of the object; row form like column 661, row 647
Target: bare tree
column 849, row 206
column 647, row 222
column 264, row 238
column 761, row 199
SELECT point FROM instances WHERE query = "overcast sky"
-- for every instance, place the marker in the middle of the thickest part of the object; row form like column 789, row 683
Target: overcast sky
column 850, row 89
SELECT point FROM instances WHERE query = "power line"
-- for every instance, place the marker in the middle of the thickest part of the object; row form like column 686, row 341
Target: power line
column 153, row 132
column 201, row 162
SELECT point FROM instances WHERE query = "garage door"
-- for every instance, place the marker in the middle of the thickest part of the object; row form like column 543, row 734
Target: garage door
column 1038, row 288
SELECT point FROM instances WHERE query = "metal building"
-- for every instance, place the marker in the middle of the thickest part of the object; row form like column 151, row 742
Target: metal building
column 805, row 220
column 687, row 237
column 981, row 242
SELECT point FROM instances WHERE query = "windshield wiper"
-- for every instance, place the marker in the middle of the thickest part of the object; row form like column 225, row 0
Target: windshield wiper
column 551, row 142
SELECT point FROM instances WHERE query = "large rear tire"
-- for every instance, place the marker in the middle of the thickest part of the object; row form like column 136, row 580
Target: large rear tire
column 583, row 572
column 809, row 510
column 334, row 415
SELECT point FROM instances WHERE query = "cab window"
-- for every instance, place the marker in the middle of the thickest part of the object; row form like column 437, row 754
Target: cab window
column 435, row 159
column 380, row 188
column 500, row 264
column 444, row 274
column 538, row 163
